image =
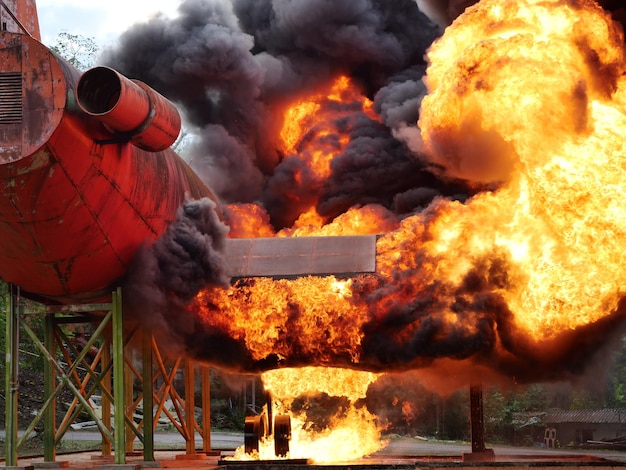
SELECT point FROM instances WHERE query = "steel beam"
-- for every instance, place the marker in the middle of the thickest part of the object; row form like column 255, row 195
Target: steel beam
column 300, row 256
column 118, row 378
column 12, row 375
column 190, row 406
column 105, row 372
column 479, row 452
column 148, row 402
column 206, row 409
column 477, row 418
column 49, row 384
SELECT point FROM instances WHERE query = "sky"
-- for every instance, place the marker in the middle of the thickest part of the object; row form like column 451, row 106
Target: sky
column 101, row 20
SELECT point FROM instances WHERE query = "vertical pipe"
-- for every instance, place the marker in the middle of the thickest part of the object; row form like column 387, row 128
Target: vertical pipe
column 476, row 418
column 190, row 406
column 148, row 406
column 118, row 378
column 49, row 386
column 206, row 409
column 12, row 378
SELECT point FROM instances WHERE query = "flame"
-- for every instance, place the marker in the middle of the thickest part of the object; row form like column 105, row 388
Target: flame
column 260, row 313
column 313, row 134
column 309, row 130
column 532, row 107
column 368, row 220
column 349, row 436
column 248, row 221
column 527, row 102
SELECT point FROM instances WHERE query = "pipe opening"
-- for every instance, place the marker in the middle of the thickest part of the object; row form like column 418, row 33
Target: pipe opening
column 98, row 90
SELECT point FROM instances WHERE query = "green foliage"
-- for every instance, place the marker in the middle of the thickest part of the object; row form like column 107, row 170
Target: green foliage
column 226, row 417
column 78, row 50
column 616, row 396
column 498, row 413
column 29, row 355
column 457, row 424
column 500, row 409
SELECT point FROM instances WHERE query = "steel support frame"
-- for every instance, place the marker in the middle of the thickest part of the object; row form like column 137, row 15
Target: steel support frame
column 61, row 371
column 181, row 414
column 114, row 360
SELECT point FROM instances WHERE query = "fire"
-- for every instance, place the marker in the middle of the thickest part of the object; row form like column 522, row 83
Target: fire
column 309, row 130
column 527, row 104
column 525, row 109
column 260, row 312
column 316, row 129
column 368, row 220
column 249, row 221
column 348, row 435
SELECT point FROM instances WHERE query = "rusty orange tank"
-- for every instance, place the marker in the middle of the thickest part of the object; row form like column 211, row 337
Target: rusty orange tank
column 82, row 186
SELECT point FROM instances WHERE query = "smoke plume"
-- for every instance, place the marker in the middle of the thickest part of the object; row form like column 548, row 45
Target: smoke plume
column 234, row 67
column 166, row 275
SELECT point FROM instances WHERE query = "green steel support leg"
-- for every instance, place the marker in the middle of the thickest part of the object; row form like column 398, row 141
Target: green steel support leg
column 12, row 379
column 128, row 407
column 148, row 405
column 118, row 378
column 49, row 386
column 107, row 445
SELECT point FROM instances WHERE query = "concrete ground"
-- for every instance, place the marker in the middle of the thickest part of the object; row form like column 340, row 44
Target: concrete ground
column 399, row 452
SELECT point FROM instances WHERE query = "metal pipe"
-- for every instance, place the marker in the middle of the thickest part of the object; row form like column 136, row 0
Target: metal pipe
column 130, row 108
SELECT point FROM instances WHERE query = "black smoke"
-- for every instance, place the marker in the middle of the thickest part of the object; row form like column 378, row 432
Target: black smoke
column 166, row 275
column 234, row 66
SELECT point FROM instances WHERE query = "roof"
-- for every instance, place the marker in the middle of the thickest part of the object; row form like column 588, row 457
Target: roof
column 604, row 416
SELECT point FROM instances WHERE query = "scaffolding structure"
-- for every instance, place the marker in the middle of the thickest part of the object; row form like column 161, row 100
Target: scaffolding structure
column 119, row 363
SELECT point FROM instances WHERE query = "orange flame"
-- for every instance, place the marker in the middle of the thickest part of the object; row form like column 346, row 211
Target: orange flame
column 532, row 107
column 350, row 436
column 526, row 97
column 310, row 135
column 309, row 130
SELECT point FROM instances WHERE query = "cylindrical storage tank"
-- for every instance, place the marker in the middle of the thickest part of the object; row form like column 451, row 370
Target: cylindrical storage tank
column 75, row 202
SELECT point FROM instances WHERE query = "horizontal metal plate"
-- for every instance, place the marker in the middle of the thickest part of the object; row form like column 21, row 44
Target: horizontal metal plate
column 300, row 256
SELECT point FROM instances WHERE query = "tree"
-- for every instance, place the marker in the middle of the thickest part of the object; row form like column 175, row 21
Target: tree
column 616, row 394
column 78, row 50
